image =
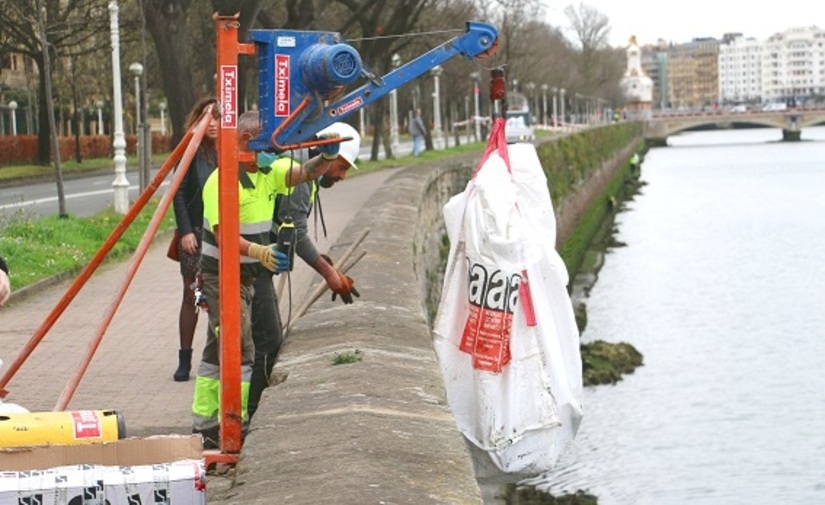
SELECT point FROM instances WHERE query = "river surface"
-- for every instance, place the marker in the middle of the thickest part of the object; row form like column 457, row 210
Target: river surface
column 721, row 286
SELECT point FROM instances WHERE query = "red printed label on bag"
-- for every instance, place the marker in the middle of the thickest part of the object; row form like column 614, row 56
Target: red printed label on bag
column 493, row 297
column 86, row 424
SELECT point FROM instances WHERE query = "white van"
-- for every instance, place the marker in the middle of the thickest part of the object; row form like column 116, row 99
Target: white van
column 775, row 106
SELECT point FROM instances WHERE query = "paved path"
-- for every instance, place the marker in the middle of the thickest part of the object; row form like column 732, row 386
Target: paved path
column 132, row 369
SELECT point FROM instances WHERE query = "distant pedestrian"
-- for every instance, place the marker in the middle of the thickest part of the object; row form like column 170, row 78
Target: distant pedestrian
column 417, row 131
column 188, row 205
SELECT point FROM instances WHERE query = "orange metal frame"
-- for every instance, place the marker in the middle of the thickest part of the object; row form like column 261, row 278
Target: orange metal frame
column 229, row 275
column 100, row 255
column 198, row 132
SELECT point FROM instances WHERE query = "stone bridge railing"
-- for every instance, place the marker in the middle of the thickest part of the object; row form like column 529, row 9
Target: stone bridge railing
column 791, row 121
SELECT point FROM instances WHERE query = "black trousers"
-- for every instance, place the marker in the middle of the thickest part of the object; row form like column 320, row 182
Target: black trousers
column 267, row 335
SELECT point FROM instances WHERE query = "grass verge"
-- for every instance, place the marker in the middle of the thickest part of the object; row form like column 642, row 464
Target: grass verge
column 36, row 249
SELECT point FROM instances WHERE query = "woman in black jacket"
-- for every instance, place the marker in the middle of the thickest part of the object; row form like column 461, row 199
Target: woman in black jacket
column 188, row 204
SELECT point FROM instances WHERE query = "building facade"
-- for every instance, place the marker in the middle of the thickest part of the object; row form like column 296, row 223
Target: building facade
column 793, row 65
column 740, row 70
column 693, row 74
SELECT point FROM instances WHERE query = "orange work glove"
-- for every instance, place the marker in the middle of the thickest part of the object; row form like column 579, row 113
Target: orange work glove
column 347, row 289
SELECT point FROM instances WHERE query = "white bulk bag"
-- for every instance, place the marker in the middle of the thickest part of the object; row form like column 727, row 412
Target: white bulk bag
column 505, row 334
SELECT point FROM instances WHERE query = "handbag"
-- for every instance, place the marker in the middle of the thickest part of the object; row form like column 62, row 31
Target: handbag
column 173, row 253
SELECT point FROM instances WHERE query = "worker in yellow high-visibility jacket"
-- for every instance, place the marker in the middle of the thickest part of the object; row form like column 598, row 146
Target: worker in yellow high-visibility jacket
column 256, row 194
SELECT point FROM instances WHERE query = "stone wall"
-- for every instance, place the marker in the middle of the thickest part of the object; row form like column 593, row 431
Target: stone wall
column 377, row 430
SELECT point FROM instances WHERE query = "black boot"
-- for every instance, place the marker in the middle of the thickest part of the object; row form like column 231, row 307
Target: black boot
column 184, row 365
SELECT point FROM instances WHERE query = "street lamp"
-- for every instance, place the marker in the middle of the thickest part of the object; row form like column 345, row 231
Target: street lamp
column 162, row 107
column 555, row 104
column 13, row 108
column 561, row 101
column 544, row 88
column 120, row 184
column 530, row 88
column 136, row 69
column 99, row 105
column 437, row 133
column 476, row 76
column 577, row 106
column 396, row 144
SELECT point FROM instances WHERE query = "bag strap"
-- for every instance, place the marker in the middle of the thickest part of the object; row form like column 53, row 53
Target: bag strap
column 497, row 140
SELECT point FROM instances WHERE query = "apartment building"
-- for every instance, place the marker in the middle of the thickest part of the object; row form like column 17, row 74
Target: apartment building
column 654, row 64
column 793, row 64
column 693, row 74
column 740, row 70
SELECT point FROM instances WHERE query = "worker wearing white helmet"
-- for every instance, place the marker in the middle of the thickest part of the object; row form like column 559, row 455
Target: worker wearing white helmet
column 293, row 207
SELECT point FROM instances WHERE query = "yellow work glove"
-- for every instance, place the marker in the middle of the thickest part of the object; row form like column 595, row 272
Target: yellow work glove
column 270, row 257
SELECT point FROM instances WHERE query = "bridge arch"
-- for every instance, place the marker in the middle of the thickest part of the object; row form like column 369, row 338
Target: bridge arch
column 660, row 126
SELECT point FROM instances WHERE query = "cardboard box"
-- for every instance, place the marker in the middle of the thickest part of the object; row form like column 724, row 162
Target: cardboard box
column 155, row 470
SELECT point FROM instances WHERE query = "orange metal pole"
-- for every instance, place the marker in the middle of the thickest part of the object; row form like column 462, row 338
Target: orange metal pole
column 194, row 142
column 228, row 235
column 95, row 262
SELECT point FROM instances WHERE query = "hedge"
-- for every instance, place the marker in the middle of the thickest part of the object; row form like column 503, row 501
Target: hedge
column 22, row 149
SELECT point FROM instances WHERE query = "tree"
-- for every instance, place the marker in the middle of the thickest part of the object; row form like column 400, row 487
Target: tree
column 599, row 66
column 73, row 29
column 378, row 30
column 167, row 23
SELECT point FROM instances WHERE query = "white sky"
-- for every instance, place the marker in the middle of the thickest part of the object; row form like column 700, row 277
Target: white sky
column 681, row 21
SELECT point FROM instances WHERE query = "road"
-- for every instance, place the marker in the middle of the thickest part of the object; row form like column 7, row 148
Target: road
column 88, row 195
column 84, row 196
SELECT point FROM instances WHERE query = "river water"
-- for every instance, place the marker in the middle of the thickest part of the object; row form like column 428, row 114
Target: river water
column 721, row 286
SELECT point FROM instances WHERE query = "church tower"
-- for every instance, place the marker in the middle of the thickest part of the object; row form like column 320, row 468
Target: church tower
column 637, row 87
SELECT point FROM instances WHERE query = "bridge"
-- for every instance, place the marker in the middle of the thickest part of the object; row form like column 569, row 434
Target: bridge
column 660, row 125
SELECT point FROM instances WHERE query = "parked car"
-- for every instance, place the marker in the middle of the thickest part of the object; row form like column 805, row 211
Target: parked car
column 775, row 106
column 740, row 108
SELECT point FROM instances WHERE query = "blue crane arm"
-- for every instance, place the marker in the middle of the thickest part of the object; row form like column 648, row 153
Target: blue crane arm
column 479, row 38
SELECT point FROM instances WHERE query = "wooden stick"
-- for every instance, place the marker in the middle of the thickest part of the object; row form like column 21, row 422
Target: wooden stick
column 344, row 257
column 318, row 292
column 281, row 284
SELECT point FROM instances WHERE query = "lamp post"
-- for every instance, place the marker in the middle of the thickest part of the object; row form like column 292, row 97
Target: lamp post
column 544, row 88
column 162, row 107
column 396, row 145
column 99, row 105
column 476, row 92
column 467, row 116
column 136, row 69
column 120, row 184
column 555, row 110
column 561, row 101
column 437, row 133
column 13, row 108
column 531, row 87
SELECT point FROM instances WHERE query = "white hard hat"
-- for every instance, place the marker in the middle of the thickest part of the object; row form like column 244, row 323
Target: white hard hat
column 350, row 149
